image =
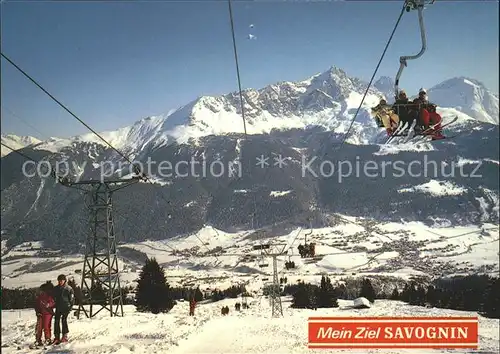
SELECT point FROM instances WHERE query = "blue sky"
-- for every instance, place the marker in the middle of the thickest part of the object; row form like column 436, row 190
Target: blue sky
column 114, row 63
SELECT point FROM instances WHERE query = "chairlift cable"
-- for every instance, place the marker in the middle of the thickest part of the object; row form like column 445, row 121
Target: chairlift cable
column 82, row 122
column 64, row 107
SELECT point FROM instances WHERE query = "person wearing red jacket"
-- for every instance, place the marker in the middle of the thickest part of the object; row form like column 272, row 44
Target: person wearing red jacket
column 44, row 308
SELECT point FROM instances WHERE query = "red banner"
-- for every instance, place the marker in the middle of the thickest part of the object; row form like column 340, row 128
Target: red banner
column 393, row 332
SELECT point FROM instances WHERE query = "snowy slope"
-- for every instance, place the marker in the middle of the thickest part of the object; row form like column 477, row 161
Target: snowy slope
column 16, row 142
column 468, row 96
column 354, row 245
column 385, row 85
column 353, row 248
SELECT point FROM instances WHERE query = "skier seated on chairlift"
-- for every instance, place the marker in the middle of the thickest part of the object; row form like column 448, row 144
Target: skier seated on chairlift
column 385, row 116
column 428, row 115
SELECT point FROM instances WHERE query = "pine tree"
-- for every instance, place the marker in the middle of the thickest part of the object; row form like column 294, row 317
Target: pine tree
column 413, row 294
column 326, row 294
column 367, row 290
column 217, row 295
column 341, row 292
column 445, row 299
column 432, row 296
column 301, row 297
column 439, row 297
column 471, row 302
column 455, row 300
column 405, row 295
column 420, row 295
column 153, row 292
column 198, row 295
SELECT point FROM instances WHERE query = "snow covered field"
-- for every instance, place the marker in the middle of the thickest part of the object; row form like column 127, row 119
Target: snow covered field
column 250, row 331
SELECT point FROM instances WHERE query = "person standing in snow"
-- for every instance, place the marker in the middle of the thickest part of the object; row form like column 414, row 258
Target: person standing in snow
column 65, row 299
column 44, row 309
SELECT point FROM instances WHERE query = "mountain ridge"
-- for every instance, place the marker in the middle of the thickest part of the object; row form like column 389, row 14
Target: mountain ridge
column 16, row 142
column 176, row 205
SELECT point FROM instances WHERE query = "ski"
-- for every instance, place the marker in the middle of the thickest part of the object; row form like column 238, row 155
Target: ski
column 44, row 346
column 390, row 136
column 431, row 128
column 399, row 133
column 35, row 347
column 447, row 137
column 421, row 136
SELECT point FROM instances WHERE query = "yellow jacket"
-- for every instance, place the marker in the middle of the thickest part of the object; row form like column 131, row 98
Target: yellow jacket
column 386, row 115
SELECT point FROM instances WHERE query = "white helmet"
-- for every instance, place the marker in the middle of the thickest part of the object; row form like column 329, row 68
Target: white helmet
column 422, row 90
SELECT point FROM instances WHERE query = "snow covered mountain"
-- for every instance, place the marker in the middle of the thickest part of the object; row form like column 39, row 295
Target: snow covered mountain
column 328, row 100
column 389, row 254
column 385, row 85
column 16, row 142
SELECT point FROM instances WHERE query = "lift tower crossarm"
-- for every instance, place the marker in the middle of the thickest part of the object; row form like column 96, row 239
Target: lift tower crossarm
column 113, row 185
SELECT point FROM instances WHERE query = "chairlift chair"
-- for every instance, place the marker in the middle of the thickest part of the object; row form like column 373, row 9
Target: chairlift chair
column 263, row 265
